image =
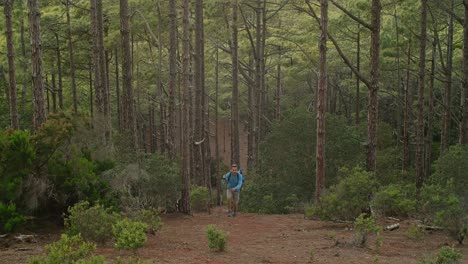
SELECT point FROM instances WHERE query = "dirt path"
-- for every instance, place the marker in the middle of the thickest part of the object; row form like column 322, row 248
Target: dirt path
column 262, row 239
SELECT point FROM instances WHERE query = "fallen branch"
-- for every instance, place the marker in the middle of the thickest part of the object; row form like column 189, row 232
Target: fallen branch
column 393, row 219
column 392, row 227
column 426, row 227
column 26, row 238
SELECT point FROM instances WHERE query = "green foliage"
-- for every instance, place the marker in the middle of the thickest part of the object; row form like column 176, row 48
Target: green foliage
column 9, row 217
column 93, row 223
column 199, row 198
column 68, row 250
column 347, row 199
column 364, row 226
column 129, row 235
column 414, row 232
column 216, row 238
column 395, row 200
column 16, row 160
column 448, row 255
column 131, row 260
column 151, row 218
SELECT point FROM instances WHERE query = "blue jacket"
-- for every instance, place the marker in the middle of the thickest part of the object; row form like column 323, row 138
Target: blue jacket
column 234, row 181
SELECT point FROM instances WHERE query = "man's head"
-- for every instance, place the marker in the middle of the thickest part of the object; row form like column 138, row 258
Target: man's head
column 234, row 169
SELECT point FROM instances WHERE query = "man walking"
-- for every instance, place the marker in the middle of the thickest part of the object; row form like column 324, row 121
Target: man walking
column 234, row 180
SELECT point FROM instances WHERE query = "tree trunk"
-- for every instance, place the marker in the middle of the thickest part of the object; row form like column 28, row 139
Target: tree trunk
column 447, row 118
column 464, row 122
column 39, row 115
column 235, row 156
column 72, row 59
column 278, row 88
column 322, row 91
column 90, row 77
column 185, row 201
column 257, row 93
column 160, row 92
column 199, row 173
column 171, row 113
column 59, row 69
column 98, row 88
column 372, row 113
column 103, row 72
column 24, row 65
column 218, row 160
column 407, row 112
column 129, row 121
column 430, row 112
column 14, row 120
column 54, row 94
column 421, row 75
column 117, row 90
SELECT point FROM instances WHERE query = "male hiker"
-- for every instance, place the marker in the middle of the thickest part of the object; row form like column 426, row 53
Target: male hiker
column 234, row 180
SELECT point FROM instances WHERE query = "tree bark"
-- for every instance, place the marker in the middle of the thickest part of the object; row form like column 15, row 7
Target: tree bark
column 322, row 92
column 422, row 71
column 186, row 155
column 117, row 90
column 171, row 113
column 430, row 112
column 235, row 155
column 218, row 160
column 464, row 122
column 358, row 67
column 407, row 112
column 278, row 87
column 14, row 120
column 447, row 118
column 198, row 106
column 91, row 97
column 59, row 69
column 372, row 112
column 160, row 92
column 98, row 86
column 129, row 121
column 39, row 115
column 72, row 59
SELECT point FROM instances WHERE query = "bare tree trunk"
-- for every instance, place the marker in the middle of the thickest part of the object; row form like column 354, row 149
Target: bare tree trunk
column 422, row 71
column 47, row 94
column 257, row 111
column 218, row 184
column 72, row 58
column 199, row 173
column 14, row 120
column 372, row 113
column 24, row 65
column 160, row 92
column 98, row 86
column 129, row 121
column 447, row 118
column 103, row 72
column 235, row 157
column 90, row 74
column 117, row 90
column 171, row 113
column 278, row 87
column 185, row 206
column 464, row 122
column 430, row 111
column 322, row 91
column 39, row 115
column 54, row 94
column 407, row 112
column 59, row 68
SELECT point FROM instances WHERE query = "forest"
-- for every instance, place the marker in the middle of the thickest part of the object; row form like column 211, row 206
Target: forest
column 120, row 120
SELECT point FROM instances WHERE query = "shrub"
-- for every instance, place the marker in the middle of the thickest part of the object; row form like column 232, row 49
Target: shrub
column 129, row 235
column 348, row 198
column 131, row 260
column 68, row 250
column 414, row 232
column 9, row 217
column 364, row 226
column 216, row 238
column 448, row 255
column 395, row 200
column 93, row 223
column 151, row 218
column 199, row 198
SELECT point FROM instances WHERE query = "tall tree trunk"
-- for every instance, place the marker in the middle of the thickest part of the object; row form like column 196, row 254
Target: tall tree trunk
column 421, row 75
column 98, row 88
column 199, row 173
column 39, row 115
column 235, row 155
column 24, row 65
column 160, row 92
column 430, row 112
column 407, row 112
column 185, row 201
column 358, row 67
column 218, row 160
column 72, row 59
column 103, row 71
column 464, row 122
column 171, row 113
column 372, row 113
column 445, row 134
column 117, row 90
column 47, row 89
column 59, row 69
column 129, row 121
column 14, row 120
column 322, row 92
column 278, row 87
column 91, row 97
column 54, row 93
column 257, row 93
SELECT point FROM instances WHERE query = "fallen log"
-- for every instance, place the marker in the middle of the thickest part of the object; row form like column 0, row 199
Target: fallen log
column 26, row 238
column 426, row 227
column 392, row 227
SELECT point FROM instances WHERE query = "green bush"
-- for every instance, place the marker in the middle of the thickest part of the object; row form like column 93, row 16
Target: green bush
column 68, row 250
column 9, row 217
column 129, row 235
column 151, row 218
column 364, row 226
column 414, row 232
column 395, row 200
column 347, row 199
column 131, row 260
column 448, row 255
column 199, row 198
column 16, row 160
column 216, row 238
column 93, row 223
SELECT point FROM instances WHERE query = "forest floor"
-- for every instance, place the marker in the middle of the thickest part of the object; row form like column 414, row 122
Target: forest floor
column 255, row 238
